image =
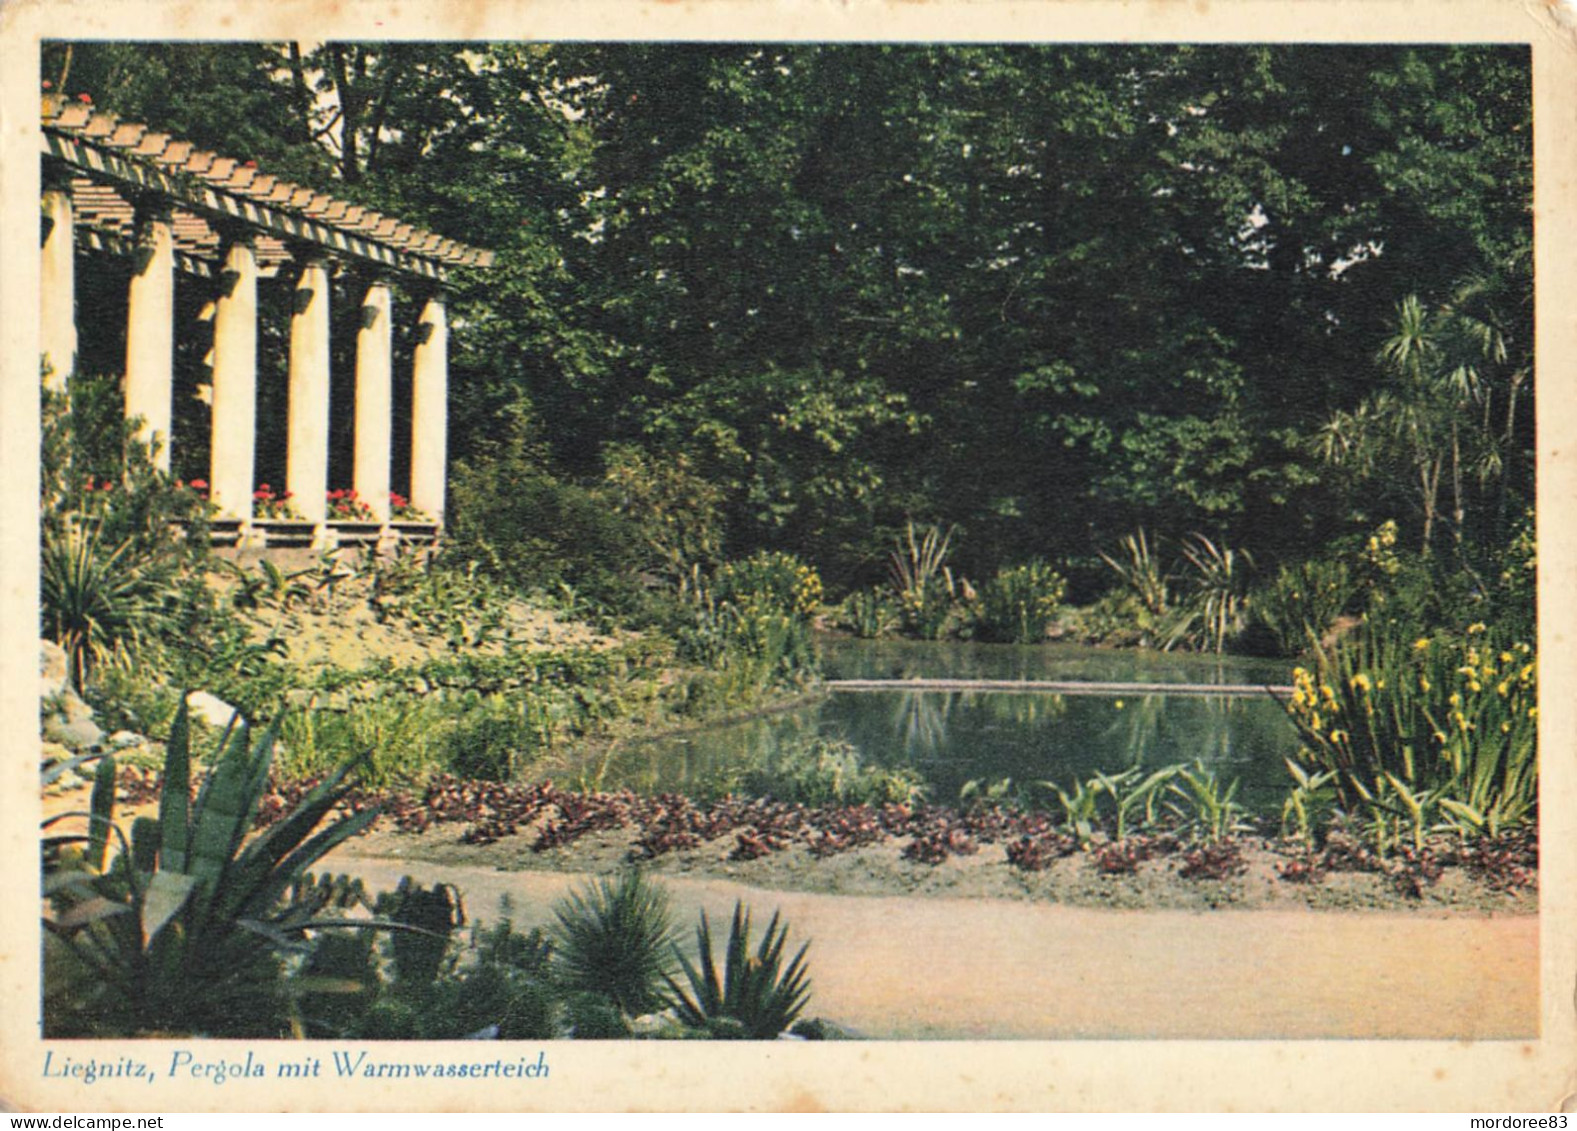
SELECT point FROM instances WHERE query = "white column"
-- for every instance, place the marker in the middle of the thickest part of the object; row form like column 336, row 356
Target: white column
column 235, row 382
column 150, row 330
column 307, row 475
column 430, row 409
column 58, row 281
column 374, row 400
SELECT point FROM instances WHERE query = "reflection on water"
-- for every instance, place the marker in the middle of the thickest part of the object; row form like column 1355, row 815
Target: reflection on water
column 952, row 737
column 914, row 659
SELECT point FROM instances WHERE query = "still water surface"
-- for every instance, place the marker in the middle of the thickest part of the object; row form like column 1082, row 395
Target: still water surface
column 952, row 737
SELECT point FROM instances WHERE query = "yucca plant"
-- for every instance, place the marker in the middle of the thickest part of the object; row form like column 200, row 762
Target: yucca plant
column 615, row 938
column 756, row 993
column 183, row 929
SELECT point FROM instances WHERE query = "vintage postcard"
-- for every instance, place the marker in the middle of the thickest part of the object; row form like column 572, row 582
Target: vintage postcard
column 789, row 557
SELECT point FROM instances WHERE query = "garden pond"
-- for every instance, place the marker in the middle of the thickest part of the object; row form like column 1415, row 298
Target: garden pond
column 954, row 736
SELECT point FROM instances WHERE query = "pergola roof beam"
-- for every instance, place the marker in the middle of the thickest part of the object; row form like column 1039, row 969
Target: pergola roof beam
column 223, row 189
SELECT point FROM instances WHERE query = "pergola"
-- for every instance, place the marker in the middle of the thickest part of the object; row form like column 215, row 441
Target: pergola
column 125, row 189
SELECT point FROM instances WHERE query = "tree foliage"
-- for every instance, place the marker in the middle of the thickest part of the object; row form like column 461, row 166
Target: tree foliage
column 1047, row 294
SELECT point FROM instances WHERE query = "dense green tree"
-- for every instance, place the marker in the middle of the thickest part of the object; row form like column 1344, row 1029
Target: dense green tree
column 1046, row 293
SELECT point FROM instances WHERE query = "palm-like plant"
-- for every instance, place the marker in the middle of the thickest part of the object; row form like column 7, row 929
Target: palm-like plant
column 1139, row 570
column 754, row 991
column 615, row 938
column 925, row 584
column 99, row 602
column 1455, row 377
column 1218, row 603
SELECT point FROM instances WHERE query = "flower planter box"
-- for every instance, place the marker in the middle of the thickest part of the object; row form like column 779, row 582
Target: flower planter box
column 417, row 532
column 224, row 532
column 356, row 533
column 286, row 531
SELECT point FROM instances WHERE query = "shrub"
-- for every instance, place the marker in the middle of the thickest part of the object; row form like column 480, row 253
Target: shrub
column 94, row 470
column 614, row 938
column 532, row 530
column 1019, row 604
column 460, row 604
column 755, row 992
column 109, row 560
column 868, row 613
column 1453, row 716
column 752, row 641
column 406, row 738
column 770, row 580
column 825, row 771
column 505, row 992
column 676, row 513
column 1302, row 603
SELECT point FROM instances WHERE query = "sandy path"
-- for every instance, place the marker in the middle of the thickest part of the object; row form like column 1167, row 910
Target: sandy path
column 905, row 967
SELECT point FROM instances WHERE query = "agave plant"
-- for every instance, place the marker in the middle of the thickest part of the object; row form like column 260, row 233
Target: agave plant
column 756, row 995
column 184, row 927
column 614, row 938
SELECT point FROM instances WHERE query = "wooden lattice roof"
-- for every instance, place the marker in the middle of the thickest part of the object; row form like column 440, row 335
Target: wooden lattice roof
column 113, row 162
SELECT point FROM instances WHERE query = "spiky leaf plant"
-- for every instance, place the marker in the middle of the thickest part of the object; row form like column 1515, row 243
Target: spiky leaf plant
column 757, row 991
column 99, row 602
column 614, row 938
column 182, row 930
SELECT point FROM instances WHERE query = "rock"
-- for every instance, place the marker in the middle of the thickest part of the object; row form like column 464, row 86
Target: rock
column 74, row 710
column 211, row 709
column 81, row 734
column 122, row 739
column 51, row 668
